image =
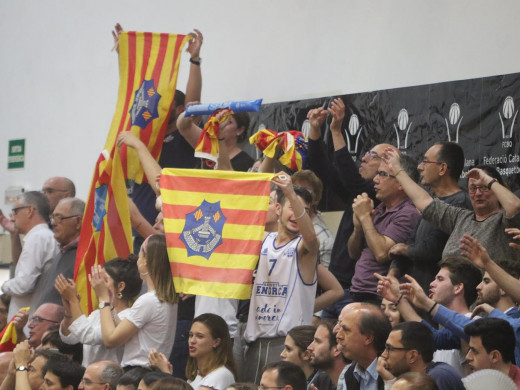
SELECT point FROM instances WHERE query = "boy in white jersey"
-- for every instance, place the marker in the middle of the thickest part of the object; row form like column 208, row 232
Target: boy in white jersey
column 285, row 284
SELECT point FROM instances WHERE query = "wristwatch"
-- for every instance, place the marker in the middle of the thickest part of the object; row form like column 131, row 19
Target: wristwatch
column 22, row 368
column 103, row 304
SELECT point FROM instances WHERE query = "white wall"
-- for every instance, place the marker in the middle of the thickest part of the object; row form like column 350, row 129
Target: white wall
column 59, row 79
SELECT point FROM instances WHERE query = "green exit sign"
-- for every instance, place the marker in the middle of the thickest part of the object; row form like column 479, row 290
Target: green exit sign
column 16, row 154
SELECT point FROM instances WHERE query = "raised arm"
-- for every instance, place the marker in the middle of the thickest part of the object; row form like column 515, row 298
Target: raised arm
column 509, row 201
column 194, row 86
column 419, row 196
column 355, row 241
column 189, row 130
column 150, row 166
column 478, row 255
column 337, row 110
column 69, row 296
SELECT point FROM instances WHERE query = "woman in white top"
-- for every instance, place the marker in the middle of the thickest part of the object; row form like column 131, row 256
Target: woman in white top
column 151, row 321
column 125, row 286
column 210, row 364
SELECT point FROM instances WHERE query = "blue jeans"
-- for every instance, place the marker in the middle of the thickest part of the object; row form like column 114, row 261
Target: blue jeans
column 333, row 310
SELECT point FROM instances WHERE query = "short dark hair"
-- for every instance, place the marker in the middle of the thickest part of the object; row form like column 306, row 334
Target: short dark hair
column 496, row 334
column 170, row 383
column 409, row 165
column 463, row 271
column 39, row 201
column 49, row 354
column 133, row 376
column 415, row 335
column 289, row 374
column 69, row 372
column 179, row 99
column 154, row 376
column 329, row 324
column 125, row 270
column 453, row 155
column 53, row 338
column 243, row 120
column 419, row 381
column 376, row 324
column 302, row 192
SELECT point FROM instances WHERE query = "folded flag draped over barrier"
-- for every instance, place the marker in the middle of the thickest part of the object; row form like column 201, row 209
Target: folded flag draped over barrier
column 214, row 223
column 293, row 145
column 9, row 337
column 148, row 66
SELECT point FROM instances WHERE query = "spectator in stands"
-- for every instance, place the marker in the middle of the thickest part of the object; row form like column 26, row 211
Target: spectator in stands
column 391, row 311
column 52, row 340
column 415, row 381
column 491, row 346
column 282, row 375
column 62, row 375
column 440, row 170
column 362, row 333
column 58, row 188
column 104, row 374
column 210, row 363
column 77, row 328
column 170, row 384
column 376, row 230
column 150, row 323
column 495, row 208
column 66, row 222
column 410, row 347
column 47, row 315
column 31, row 215
column 130, row 379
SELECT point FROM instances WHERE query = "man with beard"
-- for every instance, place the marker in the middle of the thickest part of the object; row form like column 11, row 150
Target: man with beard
column 326, row 355
column 410, row 347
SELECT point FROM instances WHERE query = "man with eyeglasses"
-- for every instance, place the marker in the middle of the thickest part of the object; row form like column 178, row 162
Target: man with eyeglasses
column 439, row 170
column 410, row 347
column 30, row 215
column 47, row 315
column 347, row 180
column 102, row 375
column 66, row 221
column 282, row 375
column 495, row 208
column 378, row 229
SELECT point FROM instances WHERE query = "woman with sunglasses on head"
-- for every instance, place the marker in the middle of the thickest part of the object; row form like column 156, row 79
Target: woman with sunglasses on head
column 151, row 321
column 211, row 363
column 125, row 285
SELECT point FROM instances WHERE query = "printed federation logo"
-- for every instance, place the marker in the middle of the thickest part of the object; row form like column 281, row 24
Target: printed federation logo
column 144, row 110
column 202, row 231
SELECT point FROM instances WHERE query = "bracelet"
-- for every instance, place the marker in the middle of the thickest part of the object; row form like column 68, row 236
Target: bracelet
column 491, row 183
column 400, row 170
column 67, row 316
column 398, row 300
column 301, row 215
column 433, row 307
column 195, row 62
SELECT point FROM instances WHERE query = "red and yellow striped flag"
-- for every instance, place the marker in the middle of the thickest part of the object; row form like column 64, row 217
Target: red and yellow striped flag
column 9, row 337
column 148, row 68
column 214, row 223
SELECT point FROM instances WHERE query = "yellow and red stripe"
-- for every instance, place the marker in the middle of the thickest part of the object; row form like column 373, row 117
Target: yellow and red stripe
column 244, row 198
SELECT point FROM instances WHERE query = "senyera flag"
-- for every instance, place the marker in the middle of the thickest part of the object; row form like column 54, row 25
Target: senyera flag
column 148, row 67
column 214, row 223
column 9, row 337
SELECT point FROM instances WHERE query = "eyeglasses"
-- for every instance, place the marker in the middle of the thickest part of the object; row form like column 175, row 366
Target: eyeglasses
column 50, row 190
column 371, row 155
column 16, row 209
column 473, row 189
column 431, row 162
column 88, row 382
column 262, row 387
column 37, row 319
column 58, row 218
column 385, row 174
column 389, row 348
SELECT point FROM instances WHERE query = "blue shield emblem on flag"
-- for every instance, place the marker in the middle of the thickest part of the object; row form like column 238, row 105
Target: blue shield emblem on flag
column 100, row 198
column 144, row 110
column 202, row 231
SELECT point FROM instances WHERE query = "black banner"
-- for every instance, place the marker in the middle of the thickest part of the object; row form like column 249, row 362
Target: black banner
column 479, row 114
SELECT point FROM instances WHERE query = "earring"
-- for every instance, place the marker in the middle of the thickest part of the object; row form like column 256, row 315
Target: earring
column 119, row 295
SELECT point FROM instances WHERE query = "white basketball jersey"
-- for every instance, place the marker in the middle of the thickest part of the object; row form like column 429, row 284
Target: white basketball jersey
column 280, row 299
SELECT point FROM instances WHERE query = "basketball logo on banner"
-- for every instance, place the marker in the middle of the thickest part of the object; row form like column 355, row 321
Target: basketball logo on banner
column 354, row 132
column 508, row 109
column 404, row 125
column 453, row 122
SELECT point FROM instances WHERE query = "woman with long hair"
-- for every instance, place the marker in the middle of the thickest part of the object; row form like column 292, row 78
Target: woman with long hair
column 295, row 348
column 151, row 321
column 210, row 364
column 125, row 285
